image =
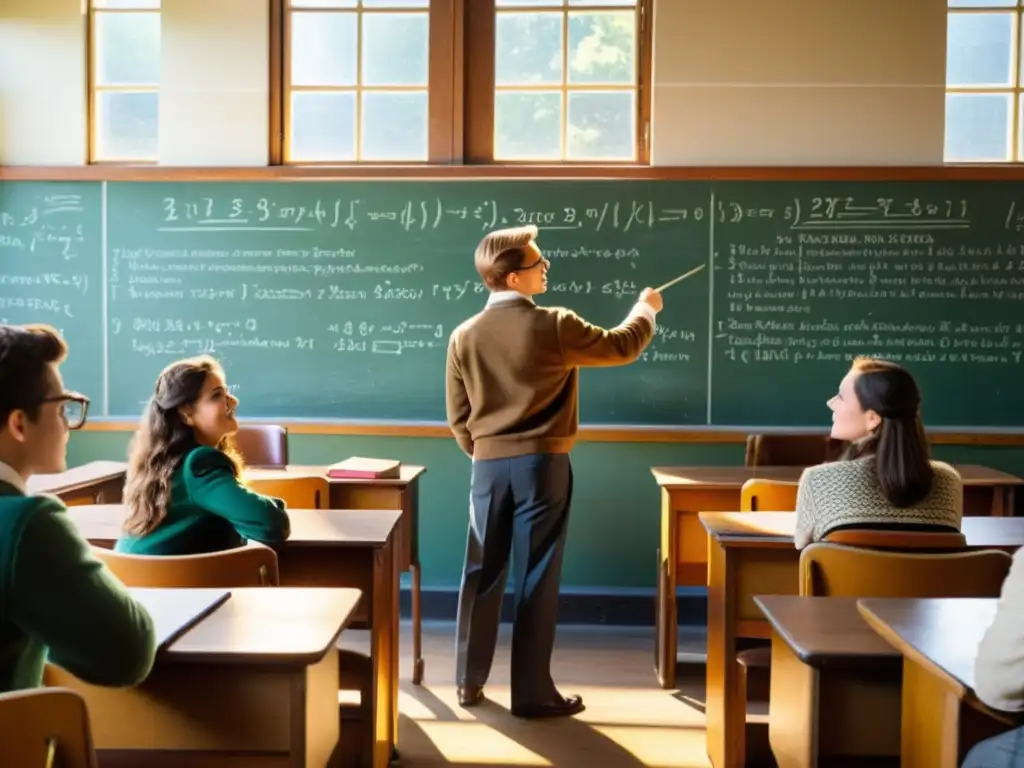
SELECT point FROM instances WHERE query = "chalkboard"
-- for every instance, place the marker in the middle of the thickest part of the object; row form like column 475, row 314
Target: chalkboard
column 334, row 300
column 51, row 271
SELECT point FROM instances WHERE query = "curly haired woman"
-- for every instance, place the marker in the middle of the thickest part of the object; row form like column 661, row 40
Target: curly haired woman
column 183, row 491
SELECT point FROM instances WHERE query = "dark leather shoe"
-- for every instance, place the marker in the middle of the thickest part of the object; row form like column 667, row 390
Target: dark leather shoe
column 561, row 707
column 470, row 695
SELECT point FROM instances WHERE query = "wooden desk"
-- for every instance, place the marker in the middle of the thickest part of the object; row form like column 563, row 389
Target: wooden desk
column 255, row 683
column 683, row 553
column 98, row 482
column 327, row 548
column 938, row 639
column 835, row 687
column 386, row 493
column 752, row 553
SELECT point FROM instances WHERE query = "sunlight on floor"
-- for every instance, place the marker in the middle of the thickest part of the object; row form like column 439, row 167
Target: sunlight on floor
column 622, row 726
column 478, row 744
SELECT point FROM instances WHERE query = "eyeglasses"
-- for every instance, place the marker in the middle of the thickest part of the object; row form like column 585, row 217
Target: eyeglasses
column 535, row 264
column 74, row 407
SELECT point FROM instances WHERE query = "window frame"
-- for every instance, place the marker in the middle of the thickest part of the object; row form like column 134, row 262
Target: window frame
column 441, row 52
column 478, row 115
column 93, row 90
column 1014, row 89
column 460, row 90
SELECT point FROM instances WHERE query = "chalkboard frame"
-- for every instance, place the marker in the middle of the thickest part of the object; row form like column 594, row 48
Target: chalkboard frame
column 601, row 433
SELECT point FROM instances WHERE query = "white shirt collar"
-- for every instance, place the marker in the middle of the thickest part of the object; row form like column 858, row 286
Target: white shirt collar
column 503, row 297
column 9, row 476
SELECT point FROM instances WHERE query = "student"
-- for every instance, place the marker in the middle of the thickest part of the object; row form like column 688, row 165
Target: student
column 512, row 382
column 183, row 491
column 58, row 602
column 999, row 673
column 886, row 478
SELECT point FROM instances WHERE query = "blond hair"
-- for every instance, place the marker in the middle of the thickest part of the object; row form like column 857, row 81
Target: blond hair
column 501, row 253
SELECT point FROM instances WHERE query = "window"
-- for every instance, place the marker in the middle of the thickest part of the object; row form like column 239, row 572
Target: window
column 356, row 77
column 124, row 80
column 983, row 81
column 563, row 82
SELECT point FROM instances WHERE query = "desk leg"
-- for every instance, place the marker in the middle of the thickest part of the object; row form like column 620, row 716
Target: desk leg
column 417, row 627
column 666, row 630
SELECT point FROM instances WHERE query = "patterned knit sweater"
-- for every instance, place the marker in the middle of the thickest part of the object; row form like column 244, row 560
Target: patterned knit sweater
column 846, row 493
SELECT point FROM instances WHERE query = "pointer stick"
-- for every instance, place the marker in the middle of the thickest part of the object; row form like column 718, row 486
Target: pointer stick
column 681, row 277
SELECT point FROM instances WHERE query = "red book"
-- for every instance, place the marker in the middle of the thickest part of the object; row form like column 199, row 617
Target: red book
column 359, row 468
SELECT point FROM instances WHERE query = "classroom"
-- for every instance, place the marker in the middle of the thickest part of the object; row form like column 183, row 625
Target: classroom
column 297, row 188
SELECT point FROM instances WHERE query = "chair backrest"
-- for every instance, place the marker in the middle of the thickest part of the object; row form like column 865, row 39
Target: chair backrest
column 297, row 492
column 249, row 566
column 760, row 495
column 833, row 570
column 45, row 727
column 898, row 540
column 263, row 445
column 791, row 450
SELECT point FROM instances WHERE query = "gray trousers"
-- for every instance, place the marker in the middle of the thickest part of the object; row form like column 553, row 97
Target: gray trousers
column 518, row 506
column 1003, row 751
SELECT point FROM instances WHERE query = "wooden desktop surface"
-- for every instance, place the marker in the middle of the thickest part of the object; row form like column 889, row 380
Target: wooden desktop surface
column 100, row 524
column 940, row 634
column 826, row 631
column 735, row 477
column 775, row 529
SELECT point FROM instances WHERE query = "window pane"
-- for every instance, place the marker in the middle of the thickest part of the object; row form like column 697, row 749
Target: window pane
column 620, row 3
column 396, row 3
column 394, row 126
column 323, row 48
column 126, row 125
column 528, row 125
column 977, row 127
column 323, row 127
column 528, row 49
column 979, row 48
column 602, row 48
column 522, row 3
column 153, row 4
column 395, row 48
column 982, row 3
column 127, row 48
column 601, row 125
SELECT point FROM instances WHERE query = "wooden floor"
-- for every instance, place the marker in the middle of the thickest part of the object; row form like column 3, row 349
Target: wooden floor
column 629, row 721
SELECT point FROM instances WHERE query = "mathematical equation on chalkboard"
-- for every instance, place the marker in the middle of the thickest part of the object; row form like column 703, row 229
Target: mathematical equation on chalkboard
column 209, row 214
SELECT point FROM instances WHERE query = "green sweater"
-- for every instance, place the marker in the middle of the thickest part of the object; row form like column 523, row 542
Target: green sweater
column 58, row 601
column 210, row 511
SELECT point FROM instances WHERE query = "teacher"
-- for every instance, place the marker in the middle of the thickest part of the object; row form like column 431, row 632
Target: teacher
column 512, row 384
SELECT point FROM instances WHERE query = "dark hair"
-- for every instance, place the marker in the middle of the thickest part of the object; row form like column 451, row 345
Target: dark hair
column 162, row 441
column 899, row 445
column 25, row 353
column 501, row 253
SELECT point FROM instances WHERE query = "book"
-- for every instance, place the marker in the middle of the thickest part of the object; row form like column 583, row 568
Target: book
column 360, row 468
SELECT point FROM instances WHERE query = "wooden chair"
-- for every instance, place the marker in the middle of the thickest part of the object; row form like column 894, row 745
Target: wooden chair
column 828, row 569
column 834, row 570
column 249, row 566
column 760, row 495
column 791, row 450
column 897, row 540
column 298, row 492
column 45, row 727
column 263, row 445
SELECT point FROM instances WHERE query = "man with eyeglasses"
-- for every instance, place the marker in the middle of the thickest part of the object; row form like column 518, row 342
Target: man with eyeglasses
column 58, row 602
column 512, row 384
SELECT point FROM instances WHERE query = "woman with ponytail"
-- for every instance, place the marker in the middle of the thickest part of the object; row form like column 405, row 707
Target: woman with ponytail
column 183, row 492
column 886, row 478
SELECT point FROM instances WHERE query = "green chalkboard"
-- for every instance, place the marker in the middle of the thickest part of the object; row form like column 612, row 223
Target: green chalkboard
column 334, row 300
column 51, row 271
